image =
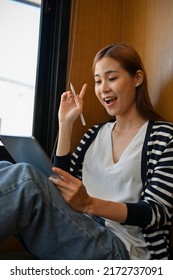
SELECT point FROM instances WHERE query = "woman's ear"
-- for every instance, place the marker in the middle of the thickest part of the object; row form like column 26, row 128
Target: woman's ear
column 139, row 78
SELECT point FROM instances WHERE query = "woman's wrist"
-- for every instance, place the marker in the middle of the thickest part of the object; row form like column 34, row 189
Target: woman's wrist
column 107, row 209
column 64, row 139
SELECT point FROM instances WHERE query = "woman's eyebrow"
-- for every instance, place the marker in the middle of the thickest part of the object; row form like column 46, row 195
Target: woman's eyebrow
column 107, row 73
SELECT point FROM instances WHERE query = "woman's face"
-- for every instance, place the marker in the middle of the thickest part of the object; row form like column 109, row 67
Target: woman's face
column 114, row 87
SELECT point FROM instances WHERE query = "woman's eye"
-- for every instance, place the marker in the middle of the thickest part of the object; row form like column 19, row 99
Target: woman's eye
column 112, row 78
column 98, row 82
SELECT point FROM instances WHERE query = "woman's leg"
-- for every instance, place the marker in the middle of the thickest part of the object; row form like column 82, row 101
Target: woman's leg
column 32, row 207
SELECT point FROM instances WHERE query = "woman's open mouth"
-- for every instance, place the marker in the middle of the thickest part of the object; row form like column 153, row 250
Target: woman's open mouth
column 110, row 100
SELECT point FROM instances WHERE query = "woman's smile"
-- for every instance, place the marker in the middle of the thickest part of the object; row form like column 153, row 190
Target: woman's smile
column 110, row 101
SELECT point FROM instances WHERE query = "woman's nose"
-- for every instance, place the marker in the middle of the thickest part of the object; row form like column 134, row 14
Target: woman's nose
column 105, row 87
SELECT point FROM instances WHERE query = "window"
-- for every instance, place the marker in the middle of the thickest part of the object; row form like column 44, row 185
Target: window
column 44, row 79
column 19, row 32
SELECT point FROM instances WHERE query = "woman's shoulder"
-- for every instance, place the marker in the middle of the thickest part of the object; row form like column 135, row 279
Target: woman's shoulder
column 161, row 130
column 97, row 126
column 164, row 126
column 92, row 132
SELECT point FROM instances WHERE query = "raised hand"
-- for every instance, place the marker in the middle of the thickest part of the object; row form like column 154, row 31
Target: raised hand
column 70, row 107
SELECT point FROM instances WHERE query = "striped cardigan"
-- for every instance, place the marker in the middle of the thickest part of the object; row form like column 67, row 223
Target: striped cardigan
column 153, row 212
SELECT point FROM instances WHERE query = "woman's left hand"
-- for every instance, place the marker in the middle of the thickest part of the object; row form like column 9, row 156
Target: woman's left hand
column 72, row 189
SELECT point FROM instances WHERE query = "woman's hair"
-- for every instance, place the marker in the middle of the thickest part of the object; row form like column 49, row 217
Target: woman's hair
column 130, row 61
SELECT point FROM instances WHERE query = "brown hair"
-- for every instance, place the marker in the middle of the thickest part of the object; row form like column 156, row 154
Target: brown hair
column 130, row 61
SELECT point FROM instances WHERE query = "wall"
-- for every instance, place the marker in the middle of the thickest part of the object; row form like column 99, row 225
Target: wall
column 147, row 25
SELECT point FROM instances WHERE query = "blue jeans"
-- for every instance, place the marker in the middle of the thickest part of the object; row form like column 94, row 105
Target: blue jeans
column 33, row 209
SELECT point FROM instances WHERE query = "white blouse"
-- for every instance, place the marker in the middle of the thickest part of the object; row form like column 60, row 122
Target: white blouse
column 120, row 182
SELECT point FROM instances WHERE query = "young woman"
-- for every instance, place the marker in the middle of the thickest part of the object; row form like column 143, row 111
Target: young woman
column 125, row 166
column 114, row 195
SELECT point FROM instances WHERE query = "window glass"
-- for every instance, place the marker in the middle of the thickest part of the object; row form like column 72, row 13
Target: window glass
column 19, row 33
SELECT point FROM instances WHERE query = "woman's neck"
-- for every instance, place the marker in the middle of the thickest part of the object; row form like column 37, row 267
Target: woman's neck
column 124, row 124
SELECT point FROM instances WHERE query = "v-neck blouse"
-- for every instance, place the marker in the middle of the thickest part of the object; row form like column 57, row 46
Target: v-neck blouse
column 119, row 182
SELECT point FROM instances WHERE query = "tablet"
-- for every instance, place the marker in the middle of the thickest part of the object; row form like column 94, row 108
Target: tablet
column 27, row 149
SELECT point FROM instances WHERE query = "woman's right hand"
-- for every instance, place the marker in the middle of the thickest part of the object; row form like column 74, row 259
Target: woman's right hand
column 70, row 107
